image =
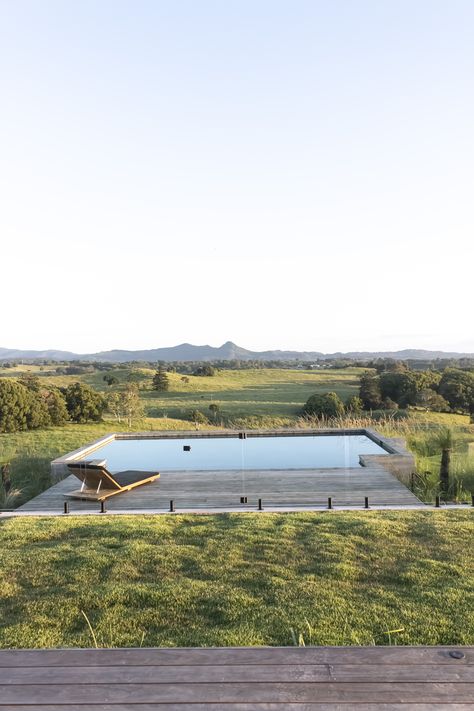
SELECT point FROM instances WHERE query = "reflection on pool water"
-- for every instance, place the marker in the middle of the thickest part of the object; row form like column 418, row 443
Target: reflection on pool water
column 226, row 453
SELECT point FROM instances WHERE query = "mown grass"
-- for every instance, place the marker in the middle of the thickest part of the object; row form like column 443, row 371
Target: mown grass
column 335, row 578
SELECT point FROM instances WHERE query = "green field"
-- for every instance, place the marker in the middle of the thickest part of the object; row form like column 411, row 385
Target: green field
column 263, row 394
column 256, row 393
column 238, row 579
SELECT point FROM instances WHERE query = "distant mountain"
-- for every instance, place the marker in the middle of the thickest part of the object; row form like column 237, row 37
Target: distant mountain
column 16, row 354
column 228, row 351
column 185, row 351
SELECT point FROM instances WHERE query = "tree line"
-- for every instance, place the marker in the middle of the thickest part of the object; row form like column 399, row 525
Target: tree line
column 450, row 391
column 26, row 404
column 397, row 386
column 78, row 367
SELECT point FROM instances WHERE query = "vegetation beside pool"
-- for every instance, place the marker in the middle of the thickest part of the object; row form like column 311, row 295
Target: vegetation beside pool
column 257, row 579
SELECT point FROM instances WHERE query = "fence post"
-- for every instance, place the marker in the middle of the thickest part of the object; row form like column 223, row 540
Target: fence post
column 260, row 505
column 102, row 506
column 366, row 503
column 66, row 507
column 171, row 505
column 437, row 502
column 329, row 502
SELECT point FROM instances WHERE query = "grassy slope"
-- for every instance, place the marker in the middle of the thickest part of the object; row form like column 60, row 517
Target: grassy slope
column 239, row 393
column 343, row 578
column 242, row 393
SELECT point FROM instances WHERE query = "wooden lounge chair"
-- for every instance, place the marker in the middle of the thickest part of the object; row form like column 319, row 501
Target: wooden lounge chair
column 99, row 484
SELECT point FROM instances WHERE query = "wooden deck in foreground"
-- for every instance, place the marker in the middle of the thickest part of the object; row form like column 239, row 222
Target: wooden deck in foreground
column 223, row 489
column 239, row 679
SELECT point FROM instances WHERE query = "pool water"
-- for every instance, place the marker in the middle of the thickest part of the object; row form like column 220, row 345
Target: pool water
column 227, row 453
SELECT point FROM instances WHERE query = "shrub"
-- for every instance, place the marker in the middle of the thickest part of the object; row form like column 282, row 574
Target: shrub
column 325, row 405
column 205, row 370
column 354, row 405
column 214, row 409
column 197, row 417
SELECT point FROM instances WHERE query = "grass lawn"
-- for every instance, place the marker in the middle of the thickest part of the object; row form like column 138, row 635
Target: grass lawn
column 258, row 579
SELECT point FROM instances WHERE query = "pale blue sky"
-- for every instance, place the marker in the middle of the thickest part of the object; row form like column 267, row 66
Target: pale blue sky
column 282, row 174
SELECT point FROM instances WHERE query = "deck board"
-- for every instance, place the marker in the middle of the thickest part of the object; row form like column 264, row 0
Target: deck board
column 270, row 679
column 223, row 489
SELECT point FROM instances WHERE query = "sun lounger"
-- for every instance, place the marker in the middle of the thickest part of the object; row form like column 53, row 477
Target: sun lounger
column 99, row 484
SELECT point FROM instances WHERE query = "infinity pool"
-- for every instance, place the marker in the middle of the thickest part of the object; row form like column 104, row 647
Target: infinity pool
column 227, row 453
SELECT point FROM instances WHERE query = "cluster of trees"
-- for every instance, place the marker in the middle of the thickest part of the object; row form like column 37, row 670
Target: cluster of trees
column 126, row 404
column 26, row 404
column 450, row 391
column 211, row 367
column 399, row 387
column 439, row 364
column 195, row 367
column 335, row 363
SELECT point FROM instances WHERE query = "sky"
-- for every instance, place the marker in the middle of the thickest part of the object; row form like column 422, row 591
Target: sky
column 290, row 174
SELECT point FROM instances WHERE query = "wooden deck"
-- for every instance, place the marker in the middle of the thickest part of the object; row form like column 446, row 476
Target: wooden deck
column 264, row 679
column 223, row 489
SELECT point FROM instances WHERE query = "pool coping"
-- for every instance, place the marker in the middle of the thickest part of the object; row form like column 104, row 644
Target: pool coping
column 397, row 460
